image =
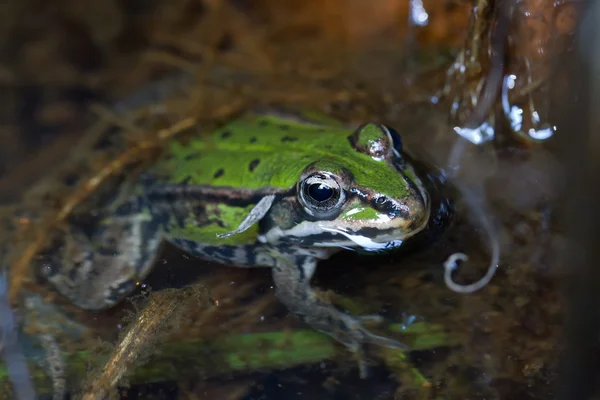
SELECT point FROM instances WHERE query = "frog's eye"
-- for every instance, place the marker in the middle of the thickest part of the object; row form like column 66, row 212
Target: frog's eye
column 374, row 140
column 321, row 195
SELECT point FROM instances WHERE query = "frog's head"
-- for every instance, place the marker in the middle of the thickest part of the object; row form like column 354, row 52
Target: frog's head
column 367, row 196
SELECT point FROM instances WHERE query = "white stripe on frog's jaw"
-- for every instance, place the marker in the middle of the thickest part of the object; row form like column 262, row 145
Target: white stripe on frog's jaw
column 365, row 242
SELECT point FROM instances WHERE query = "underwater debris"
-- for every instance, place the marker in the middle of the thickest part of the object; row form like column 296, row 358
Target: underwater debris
column 471, row 187
column 477, row 124
column 56, row 366
column 135, row 343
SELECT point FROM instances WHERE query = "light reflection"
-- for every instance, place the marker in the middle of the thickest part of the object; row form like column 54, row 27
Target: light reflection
column 355, row 210
column 418, row 15
column 516, row 115
column 479, row 135
column 542, row 134
column 510, row 81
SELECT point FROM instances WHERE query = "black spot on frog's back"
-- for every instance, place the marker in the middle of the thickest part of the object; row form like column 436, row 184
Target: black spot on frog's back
column 191, row 156
column 225, row 134
column 219, row 173
column 253, row 164
column 289, row 139
column 253, row 139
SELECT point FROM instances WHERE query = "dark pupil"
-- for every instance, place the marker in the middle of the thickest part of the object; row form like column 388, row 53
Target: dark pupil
column 320, row 192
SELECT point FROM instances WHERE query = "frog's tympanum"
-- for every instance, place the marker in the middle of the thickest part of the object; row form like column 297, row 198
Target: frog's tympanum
column 262, row 191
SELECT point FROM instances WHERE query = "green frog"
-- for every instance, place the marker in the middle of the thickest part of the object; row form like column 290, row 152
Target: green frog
column 275, row 190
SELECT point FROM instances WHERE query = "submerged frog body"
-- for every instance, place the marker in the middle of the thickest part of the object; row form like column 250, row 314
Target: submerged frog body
column 261, row 191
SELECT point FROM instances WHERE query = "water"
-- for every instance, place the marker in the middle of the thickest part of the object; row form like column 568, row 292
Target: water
column 498, row 342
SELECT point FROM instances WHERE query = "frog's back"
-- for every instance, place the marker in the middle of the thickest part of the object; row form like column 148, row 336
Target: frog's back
column 258, row 151
column 251, row 152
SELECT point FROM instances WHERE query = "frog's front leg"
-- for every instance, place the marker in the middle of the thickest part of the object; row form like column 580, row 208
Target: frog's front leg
column 292, row 280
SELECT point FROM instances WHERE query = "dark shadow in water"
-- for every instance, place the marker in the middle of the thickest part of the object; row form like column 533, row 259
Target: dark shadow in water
column 581, row 217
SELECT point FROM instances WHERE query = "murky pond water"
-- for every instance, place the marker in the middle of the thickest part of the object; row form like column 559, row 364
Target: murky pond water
column 197, row 329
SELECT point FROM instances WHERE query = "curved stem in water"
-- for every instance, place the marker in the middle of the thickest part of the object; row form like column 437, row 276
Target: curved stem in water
column 451, row 262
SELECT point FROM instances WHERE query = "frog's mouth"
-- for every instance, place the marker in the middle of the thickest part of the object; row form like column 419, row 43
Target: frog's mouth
column 371, row 239
column 328, row 234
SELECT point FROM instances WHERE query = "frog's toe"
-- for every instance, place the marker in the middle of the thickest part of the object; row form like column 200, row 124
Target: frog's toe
column 367, row 336
column 383, row 341
column 355, row 335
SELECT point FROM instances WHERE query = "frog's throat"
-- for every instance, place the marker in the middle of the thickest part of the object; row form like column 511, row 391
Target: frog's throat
column 256, row 214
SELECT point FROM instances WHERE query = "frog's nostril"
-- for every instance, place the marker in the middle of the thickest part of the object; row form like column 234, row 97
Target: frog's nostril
column 414, row 209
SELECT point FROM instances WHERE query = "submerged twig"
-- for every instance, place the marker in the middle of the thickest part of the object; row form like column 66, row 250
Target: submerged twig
column 56, row 366
column 136, row 341
column 11, row 353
